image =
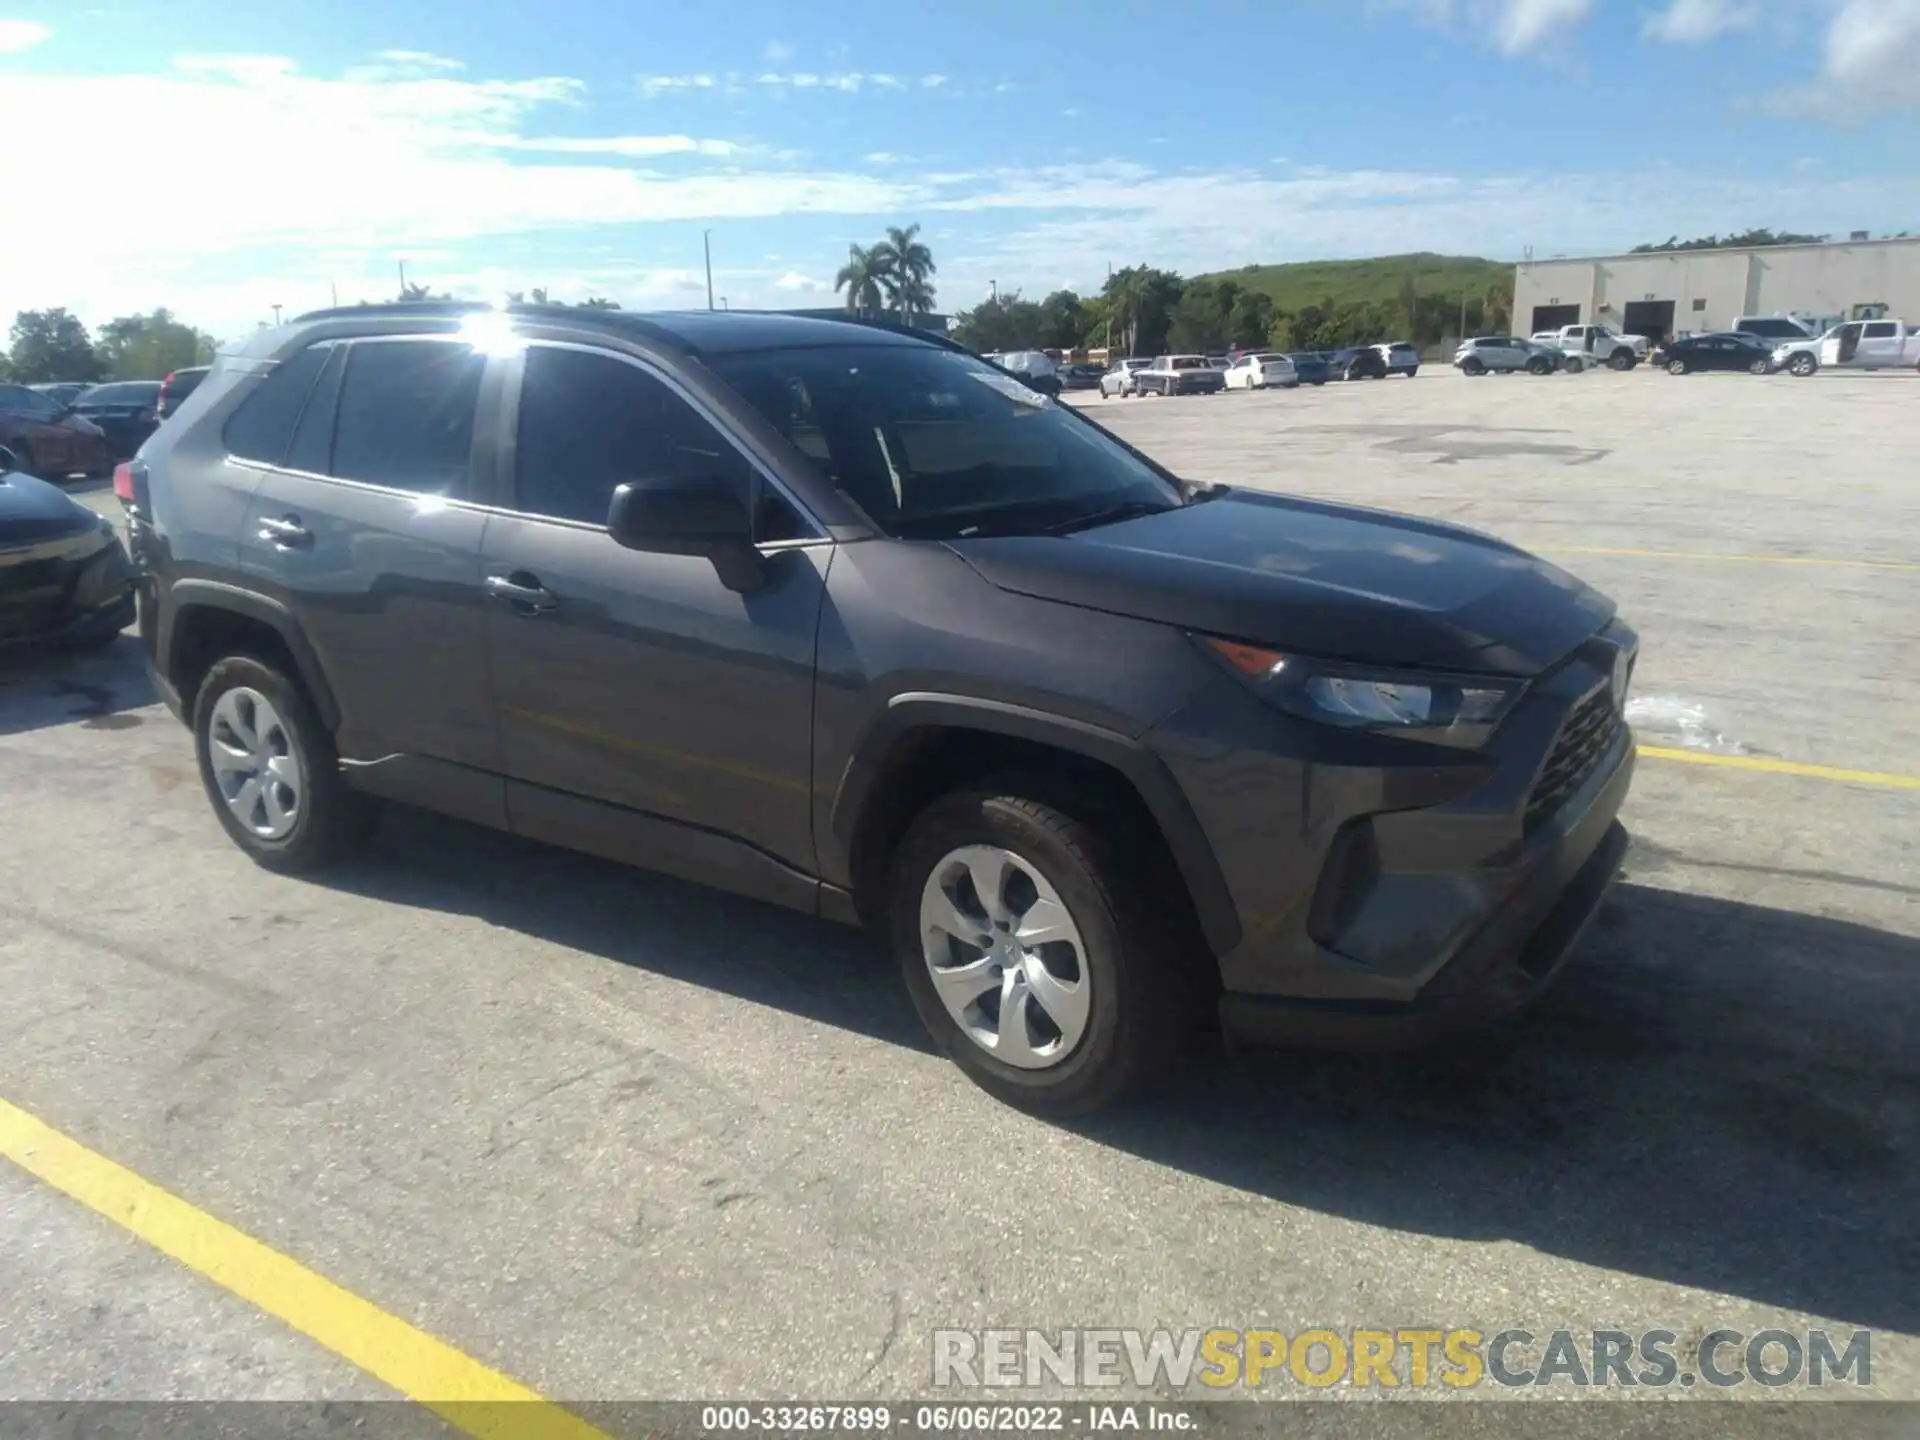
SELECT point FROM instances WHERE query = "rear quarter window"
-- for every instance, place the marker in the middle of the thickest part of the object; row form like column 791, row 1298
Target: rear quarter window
column 262, row 427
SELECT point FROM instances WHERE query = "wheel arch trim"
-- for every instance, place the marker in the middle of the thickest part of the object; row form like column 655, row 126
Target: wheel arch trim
column 1148, row 775
column 186, row 596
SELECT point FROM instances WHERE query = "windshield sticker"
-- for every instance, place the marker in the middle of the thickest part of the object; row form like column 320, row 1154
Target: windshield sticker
column 1012, row 389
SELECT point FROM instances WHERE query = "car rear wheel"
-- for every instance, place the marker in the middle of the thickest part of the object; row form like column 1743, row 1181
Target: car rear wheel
column 1758, row 367
column 271, row 771
column 1623, row 360
column 1473, row 365
column 1677, row 367
column 1034, row 954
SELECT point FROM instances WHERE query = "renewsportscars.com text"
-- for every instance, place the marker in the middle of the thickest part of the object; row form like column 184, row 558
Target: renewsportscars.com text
column 1415, row 1358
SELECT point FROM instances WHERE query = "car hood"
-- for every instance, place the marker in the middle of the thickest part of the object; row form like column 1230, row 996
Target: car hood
column 32, row 510
column 1338, row 582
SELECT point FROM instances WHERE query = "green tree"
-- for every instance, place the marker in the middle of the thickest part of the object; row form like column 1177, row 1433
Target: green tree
column 148, row 347
column 1142, row 299
column 1744, row 240
column 1249, row 319
column 861, row 277
column 50, row 345
column 1063, row 321
column 599, row 302
column 1003, row 322
column 906, row 267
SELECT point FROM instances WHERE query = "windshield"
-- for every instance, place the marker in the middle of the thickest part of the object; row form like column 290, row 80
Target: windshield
column 934, row 445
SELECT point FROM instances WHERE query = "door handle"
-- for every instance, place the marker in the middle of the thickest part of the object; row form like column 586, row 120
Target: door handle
column 525, row 594
column 286, row 532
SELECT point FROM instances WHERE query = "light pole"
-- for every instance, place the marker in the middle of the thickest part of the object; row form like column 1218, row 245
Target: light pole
column 706, row 248
column 276, row 314
column 723, row 302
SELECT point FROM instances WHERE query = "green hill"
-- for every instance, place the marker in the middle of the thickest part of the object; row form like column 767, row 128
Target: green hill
column 1370, row 282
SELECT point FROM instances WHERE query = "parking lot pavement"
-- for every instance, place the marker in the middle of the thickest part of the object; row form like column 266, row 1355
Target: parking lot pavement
column 620, row 1137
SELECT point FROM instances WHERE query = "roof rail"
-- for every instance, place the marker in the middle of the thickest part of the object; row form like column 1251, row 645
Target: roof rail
column 399, row 307
column 875, row 322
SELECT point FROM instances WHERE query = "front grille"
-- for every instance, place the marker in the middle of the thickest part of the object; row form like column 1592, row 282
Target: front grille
column 1583, row 742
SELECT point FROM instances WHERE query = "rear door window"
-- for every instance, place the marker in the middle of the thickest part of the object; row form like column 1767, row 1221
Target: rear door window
column 262, row 428
column 1882, row 330
column 406, row 412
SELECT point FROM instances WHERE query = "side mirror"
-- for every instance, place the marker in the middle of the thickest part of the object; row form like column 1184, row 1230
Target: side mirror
column 698, row 516
column 8, row 460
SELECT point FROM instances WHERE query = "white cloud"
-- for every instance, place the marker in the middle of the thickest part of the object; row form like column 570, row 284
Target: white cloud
column 933, row 82
column 1691, row 22
column 653, row 85
column 1523, row 25
column 387, row 168
column 19, row 35
column 1516, row 27
column 794, row 280
column 777, row 51
column 420, row 60
column 1869, row 59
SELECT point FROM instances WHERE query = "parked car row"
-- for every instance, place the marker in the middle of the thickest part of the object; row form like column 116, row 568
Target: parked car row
column 1253, row 370
column 73, row 427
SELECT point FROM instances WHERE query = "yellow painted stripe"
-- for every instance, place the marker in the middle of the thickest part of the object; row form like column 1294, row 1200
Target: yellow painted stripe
column 1725, row 555
column 1784, row 767
column 458, row 1388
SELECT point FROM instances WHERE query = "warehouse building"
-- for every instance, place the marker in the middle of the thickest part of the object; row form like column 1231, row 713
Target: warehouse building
column 1672, row 292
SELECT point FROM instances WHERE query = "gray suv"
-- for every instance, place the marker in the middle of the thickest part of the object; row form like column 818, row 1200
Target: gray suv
column 836, row 616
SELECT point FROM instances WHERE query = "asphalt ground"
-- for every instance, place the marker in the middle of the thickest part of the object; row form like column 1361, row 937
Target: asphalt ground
column 612, row 1137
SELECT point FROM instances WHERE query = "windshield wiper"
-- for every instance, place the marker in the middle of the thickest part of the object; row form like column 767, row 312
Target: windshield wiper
column 1109, row 515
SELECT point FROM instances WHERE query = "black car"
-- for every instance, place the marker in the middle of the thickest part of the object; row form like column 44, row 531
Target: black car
column 836, row 615
column 64, row 576
column 1729, row 351
column 1357, row 362
column 128, row 411
column 178, row 385
column 1080, row 377
column 1311, row 366
column 63, row 392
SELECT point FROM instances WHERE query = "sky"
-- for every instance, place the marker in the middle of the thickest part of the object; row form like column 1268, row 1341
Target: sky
column 222, row 159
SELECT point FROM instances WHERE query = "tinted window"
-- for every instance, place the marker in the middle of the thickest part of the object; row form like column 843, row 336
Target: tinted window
column 262, row 426
column 405, row 417
column 1882, row 330
column 590, row 422
column 312, row 448
column 126, row 392
column 26, row 402
column 931, row 443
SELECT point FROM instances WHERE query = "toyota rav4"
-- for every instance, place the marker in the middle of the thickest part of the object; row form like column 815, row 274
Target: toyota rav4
column 836, row 616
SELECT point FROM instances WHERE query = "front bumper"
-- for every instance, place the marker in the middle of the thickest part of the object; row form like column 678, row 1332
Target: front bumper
column 1386, row 891
column 56, row 594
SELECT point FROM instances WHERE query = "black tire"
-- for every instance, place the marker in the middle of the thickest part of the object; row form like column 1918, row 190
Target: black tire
column 1623, row 360
column 1538, row 366
column 1139, row 1008
column 1473, row 365
column 1678, row 367
column 332, row 820
column 1413, row 372
column 1759, row 367
column 1803, row 365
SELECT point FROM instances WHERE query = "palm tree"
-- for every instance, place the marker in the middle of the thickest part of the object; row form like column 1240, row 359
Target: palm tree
column 599, row 302
column 861, row 277
column 905, row 264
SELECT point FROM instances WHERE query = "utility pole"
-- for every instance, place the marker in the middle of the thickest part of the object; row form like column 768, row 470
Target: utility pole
column 706, row 247
column 334, row 291
column 403, row 279
column 1463, row 314
column 1109, row 312
column 276, row 314
column 993, row 289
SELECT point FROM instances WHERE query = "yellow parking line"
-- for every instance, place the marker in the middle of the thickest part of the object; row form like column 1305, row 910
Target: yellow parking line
column 1784, row 767
column 1725, row 555
column 458, row 1388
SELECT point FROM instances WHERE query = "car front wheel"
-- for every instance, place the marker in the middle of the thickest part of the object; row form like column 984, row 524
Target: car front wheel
column 1803, row 365
column 270, row 769
column 1036, row 957
column 1677, row 367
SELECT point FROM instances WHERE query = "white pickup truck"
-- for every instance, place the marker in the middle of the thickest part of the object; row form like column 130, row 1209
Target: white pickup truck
column 1622, row 352
column 1856, row 345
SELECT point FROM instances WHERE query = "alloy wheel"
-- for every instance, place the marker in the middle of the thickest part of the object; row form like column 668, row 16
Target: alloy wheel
column 1006, row 957
column 255, row 763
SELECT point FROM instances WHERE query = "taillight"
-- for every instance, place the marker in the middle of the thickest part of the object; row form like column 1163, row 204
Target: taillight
column 123, row 482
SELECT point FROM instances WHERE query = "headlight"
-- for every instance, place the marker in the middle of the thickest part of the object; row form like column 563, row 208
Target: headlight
column 1457, row 710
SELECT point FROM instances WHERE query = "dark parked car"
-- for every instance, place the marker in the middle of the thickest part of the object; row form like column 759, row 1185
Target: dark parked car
column 1080, row 377
column 127, row 412
column 837, row 616
column 64, row 577
column 1311, row 366
column 1401, row 358
column 47, row 438
column 1728, row 351
column 1357, row 362
column 63, row 392
column 178, row 385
